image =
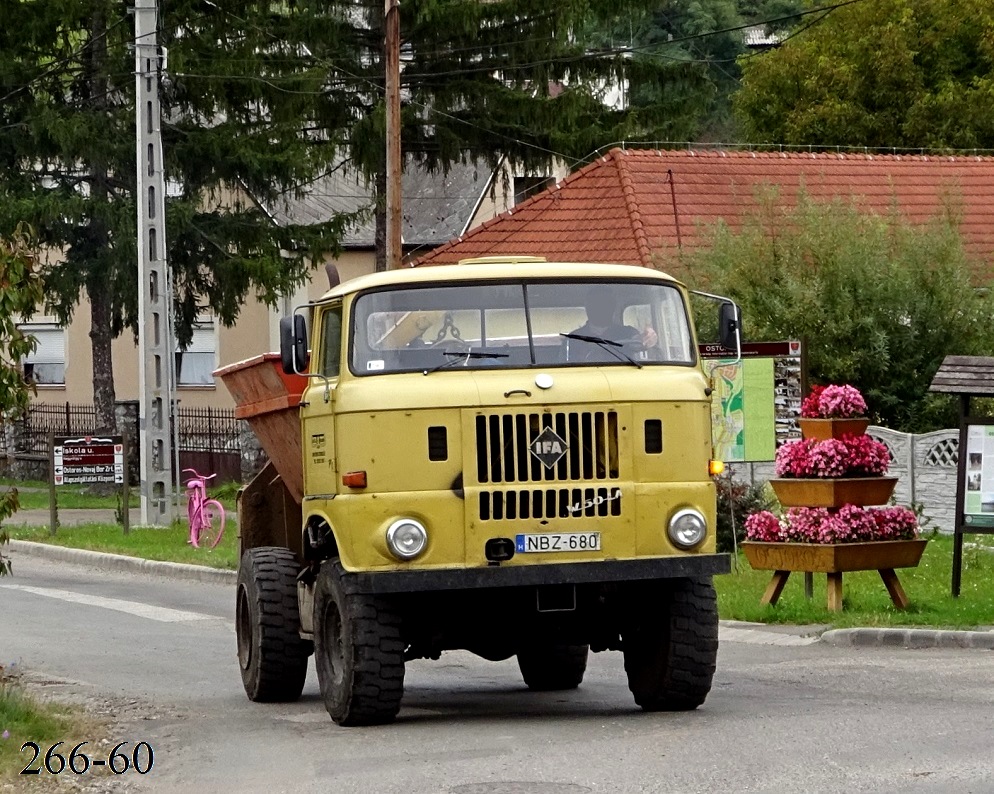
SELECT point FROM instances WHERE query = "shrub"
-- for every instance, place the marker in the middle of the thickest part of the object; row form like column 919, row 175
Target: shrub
column 736, row 501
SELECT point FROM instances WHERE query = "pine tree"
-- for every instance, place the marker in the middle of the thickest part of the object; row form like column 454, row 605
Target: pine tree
column 67, row 159
column 260, row 99
column 502, row 81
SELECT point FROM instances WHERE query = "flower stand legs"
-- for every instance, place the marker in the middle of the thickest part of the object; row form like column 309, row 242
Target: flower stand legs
column 779, row 580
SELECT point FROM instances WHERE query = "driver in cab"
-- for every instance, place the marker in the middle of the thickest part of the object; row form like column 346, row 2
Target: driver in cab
column 603, row 337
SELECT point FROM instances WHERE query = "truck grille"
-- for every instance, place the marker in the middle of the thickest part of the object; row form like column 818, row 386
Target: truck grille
column 504, row 453
column 550, row 503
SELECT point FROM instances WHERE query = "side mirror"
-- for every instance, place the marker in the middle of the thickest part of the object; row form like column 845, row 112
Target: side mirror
column 730, row 327
column 293, row 344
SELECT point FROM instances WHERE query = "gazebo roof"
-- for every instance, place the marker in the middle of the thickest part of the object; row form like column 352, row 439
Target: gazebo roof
column 972, row 376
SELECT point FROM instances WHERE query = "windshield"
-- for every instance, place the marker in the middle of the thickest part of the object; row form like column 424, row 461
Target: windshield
column 515, row 325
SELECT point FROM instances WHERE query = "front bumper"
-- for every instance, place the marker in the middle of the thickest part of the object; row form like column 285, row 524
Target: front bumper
column 411, row 581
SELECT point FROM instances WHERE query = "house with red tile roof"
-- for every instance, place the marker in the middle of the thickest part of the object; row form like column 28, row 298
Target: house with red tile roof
column 631, row 205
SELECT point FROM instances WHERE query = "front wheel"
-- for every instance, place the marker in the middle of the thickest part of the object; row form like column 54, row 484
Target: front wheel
column 358, row 651
column 670, row 644
column 212, row 527
column 271, row 654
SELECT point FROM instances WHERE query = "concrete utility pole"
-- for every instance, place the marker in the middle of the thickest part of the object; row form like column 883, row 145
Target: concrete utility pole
column 391, row 15
column 154, row 284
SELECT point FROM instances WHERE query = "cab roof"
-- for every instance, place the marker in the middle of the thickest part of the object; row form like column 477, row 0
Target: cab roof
column 497, row 268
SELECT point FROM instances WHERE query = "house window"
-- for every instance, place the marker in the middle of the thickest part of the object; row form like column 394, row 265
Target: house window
column 195, row 365
column 46, row 366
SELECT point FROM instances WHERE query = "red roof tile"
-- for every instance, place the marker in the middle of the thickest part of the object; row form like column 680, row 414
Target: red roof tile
column 632, row 203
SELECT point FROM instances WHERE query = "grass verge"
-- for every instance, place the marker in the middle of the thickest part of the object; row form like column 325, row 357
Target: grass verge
column 865, row 599
column 150, row 543
column 25, row 718
column 34, row 495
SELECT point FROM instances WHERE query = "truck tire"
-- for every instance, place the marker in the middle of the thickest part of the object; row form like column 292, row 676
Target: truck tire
column 670, row 657
column 271, row 654
column 551, row 667
column 358, row 651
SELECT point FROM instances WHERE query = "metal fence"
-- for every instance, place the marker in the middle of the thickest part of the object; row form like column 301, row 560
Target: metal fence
column 208, row 437
column 45, row 419
column 209, row 442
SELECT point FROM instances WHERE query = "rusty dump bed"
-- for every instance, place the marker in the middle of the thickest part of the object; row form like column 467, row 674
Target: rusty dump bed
column 267, row 398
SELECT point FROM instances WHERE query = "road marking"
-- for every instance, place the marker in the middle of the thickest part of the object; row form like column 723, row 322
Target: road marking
column 757, row 637
column 162, row 614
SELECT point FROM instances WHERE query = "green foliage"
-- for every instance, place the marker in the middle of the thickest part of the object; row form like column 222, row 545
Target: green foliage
column 736, row 502
column 705, row 38
column 891, row 73
column 879, row 302
column 20, row 292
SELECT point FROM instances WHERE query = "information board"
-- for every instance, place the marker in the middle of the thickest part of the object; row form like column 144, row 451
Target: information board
column 978, row 490
column 756, row 401
column 88, row 459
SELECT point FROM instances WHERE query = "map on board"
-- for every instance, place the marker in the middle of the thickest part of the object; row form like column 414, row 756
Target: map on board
column 756, row 401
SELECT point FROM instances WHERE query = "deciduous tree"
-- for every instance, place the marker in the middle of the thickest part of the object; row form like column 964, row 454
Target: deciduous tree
column 20, row 292
column 888, row 73
column 879, row 301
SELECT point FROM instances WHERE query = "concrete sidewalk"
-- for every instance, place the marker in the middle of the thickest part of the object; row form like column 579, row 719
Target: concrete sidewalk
column 732, row 631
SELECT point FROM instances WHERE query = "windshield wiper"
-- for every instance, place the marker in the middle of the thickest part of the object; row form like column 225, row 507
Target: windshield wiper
column 607, row 344
column 463, row 357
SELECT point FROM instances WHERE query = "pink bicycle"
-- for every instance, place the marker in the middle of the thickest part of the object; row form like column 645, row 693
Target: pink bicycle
column 206, row 515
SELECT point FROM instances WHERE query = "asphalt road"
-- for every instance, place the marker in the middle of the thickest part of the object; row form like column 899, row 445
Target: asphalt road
column 158, row 656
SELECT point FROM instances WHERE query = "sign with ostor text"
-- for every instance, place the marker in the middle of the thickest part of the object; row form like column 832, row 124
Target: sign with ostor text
column 88, row 459
column 756, row 401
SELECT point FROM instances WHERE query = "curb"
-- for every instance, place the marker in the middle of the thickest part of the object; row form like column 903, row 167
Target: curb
column 909, row 638
column 121, row 562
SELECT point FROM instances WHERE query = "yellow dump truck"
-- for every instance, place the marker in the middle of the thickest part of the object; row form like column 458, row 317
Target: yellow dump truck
column 508, row 456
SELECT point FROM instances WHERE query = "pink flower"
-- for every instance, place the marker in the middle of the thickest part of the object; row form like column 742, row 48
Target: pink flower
column 850, row 456
column 763, row 526
column 866, row 456
column 809, row 405
column 847, row 524
column 833, row 402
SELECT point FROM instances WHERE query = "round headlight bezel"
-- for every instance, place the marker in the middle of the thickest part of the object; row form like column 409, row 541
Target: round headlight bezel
column 394, row 539
column 675, row 532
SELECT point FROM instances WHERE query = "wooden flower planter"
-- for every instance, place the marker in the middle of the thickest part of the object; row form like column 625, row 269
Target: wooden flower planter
column 834, row 559
column 824, row 429
column 833, row 492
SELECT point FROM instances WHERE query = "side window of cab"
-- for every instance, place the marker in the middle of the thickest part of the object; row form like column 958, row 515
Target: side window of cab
column 331, row 341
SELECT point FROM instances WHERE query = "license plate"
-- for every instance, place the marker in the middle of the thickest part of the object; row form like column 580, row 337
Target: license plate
column 558, row 541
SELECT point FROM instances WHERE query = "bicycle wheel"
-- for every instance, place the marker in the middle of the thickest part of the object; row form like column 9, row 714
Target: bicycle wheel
column 212, row 526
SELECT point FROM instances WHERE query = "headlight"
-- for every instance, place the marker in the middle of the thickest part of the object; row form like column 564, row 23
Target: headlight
column 687, row 528
column 406, row 538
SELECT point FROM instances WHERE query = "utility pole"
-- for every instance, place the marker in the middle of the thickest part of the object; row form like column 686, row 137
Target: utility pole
column 154, row 284
column 391, row 23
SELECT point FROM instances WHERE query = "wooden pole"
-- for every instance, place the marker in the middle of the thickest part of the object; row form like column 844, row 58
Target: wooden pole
column 391, row 23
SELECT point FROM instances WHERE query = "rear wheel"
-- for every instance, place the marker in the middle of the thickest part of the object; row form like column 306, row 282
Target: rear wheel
column 358, row 651
column 671, row 644
column 548, row 667
column 271, row 654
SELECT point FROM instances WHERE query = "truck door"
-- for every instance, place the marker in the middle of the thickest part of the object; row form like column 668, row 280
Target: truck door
column 317, row 412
